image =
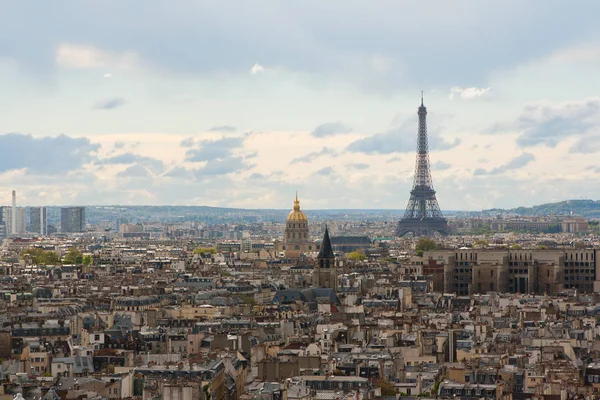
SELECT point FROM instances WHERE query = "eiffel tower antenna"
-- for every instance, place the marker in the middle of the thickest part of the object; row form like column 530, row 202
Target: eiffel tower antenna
column 422, row 216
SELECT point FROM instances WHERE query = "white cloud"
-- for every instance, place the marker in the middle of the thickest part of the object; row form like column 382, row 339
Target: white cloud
column 108, row 75
column 256, row 69
column 75, row 56
column 468, row 93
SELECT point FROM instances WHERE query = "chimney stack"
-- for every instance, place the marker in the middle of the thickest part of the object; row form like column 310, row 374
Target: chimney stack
column 14, row 212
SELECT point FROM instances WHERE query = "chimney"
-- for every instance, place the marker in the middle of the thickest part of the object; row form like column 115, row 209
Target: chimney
column 14, row 213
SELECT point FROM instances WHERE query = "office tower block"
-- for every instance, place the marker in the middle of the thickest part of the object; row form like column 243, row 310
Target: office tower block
column 38, row 220
column 72, row 219
column 14, row 212
column 15, row 220
column 2, row 224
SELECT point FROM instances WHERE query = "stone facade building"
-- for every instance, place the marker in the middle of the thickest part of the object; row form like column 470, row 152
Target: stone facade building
column 471, row 271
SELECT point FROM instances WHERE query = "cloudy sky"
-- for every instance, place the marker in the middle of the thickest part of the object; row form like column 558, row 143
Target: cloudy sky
column 241, row 103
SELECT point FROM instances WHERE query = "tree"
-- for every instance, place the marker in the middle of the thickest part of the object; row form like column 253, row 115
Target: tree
column 87, row 259
column 205, row 250
column 387, row 389
column 39, row 256
column 481, row 243
column 73, row 256
column 357, row 256
column 425, row 244
column 248, row 299
column 436, row 387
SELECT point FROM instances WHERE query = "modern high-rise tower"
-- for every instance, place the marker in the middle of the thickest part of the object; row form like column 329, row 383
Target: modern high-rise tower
column 422, row 216
column 15, row 219
column 13, row 229
column 38, row 220
column 72, row 219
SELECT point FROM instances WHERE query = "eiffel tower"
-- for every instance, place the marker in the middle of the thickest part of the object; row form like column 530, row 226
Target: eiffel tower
column 422, row 216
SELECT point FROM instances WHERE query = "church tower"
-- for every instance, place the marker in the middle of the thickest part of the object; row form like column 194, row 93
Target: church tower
column 297, row 240
column 325, row 273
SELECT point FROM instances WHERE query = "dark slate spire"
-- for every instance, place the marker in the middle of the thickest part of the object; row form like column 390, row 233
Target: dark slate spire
column 326, row 250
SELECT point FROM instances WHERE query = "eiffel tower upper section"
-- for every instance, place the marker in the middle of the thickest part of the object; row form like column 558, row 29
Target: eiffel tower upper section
column 422, row 216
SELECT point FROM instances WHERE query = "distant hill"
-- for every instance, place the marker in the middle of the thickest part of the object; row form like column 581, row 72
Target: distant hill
column 585, row 208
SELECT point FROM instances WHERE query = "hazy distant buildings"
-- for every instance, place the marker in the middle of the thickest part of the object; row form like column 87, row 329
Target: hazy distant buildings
column 575, row 224
column 72, row 219
column 530, row 224
column 121, row 221
column 38, row 220
column 131, row 228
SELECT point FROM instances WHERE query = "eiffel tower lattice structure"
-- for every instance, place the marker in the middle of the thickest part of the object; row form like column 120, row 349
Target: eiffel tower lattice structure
column 422, row 216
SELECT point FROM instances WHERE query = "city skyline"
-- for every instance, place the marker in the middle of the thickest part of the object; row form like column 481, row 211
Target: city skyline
column 236, row 106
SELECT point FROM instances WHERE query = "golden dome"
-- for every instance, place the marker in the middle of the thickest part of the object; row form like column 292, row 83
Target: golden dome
column 296, row 215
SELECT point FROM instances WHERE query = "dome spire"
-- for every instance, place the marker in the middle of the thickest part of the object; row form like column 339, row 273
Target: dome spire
column 296, row 215
column 296, row 203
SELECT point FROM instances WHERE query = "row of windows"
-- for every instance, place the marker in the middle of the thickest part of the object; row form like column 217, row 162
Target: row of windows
column 467, row 256
column 467, row 392
column 520, row 256
column 579, row 257
column 589, row 256
column 463, row 270
column 297, row 247
column 578, row 271
column 518, row 264
column 292, row 225
column 512, row 271
column 292, row 235
column 580, row 286
column 521, row 271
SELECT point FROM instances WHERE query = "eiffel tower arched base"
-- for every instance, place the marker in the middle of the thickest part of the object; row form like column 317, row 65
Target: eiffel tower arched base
column 422, row 227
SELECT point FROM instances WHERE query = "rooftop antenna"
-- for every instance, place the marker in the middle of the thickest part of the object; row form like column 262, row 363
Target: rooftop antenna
column 421, row 98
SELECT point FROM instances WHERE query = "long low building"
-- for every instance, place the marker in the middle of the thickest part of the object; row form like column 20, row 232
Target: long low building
column 543, row 271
